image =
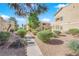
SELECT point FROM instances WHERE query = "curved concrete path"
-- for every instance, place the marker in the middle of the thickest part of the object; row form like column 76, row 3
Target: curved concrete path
column 32, row 47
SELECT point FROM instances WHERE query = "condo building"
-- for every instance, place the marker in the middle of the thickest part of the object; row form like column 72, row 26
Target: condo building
column 6, row 25
column 67, row 18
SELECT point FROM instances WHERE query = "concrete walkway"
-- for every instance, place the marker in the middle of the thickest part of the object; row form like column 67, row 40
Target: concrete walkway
column 32, row 47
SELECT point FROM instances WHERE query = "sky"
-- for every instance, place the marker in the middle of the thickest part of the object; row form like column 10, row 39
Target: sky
column 49, row 16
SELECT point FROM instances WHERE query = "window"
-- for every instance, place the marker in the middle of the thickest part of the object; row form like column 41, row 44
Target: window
column 57, row 19
column 58, row 27
column 60, row 18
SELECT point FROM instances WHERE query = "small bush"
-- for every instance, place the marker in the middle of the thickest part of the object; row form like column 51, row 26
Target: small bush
column 74, row 31
column 4, row 36
column 21, row 32
column 74, row 46
column 57, row 32
column 45, row 35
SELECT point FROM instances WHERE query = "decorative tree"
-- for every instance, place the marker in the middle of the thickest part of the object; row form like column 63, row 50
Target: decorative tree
column 32, row 10
column 33, row 21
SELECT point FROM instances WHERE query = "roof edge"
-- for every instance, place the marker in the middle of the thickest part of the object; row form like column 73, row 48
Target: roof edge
column 60, row 9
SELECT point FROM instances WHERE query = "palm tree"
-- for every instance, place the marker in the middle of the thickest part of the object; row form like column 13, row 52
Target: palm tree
column 23, row 9
column 27, row 9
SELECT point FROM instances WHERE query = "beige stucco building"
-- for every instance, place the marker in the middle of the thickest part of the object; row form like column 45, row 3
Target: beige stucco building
column 4, row 25
column 67, row 18
column 45, row 25
column 12, row 25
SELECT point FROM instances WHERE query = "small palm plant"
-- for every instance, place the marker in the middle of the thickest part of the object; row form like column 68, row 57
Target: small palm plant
column 74, row 46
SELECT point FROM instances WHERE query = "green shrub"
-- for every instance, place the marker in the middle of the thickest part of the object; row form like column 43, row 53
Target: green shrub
column 21, row 32
column 45, row 35
column 57, row 32
column 4, row 36
column 74, row 46
column 74, row 31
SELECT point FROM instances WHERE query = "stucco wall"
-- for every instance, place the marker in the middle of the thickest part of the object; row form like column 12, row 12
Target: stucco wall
column 70, row 17
column 4, row 25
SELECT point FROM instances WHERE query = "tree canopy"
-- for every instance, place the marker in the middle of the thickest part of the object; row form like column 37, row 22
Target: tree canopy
column 30, row 9
column 33, row 21
column 23, row 9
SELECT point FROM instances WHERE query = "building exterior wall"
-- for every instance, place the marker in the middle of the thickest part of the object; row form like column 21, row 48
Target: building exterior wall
column 70, row 17
column 4, row 25
column 45, row 25
column 12, row 23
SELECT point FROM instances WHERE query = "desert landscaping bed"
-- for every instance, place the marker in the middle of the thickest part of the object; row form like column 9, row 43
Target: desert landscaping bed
column 6, row 50
column 12, row 52
column 56, row 47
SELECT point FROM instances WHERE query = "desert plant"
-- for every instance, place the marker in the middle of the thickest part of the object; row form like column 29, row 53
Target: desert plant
column 57, row 32
column 73, row 31
column 4, row 36
column 21, row 32
column 74, row 46
column 18, row 44
column 45, row 35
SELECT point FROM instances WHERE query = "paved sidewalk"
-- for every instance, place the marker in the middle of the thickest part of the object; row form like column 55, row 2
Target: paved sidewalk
column 32, row 47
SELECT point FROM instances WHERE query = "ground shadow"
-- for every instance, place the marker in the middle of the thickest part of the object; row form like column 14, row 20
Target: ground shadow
column 55, row 42
column 72, row 54
column 69, row 55
column 28, row 37
column 62, row 35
